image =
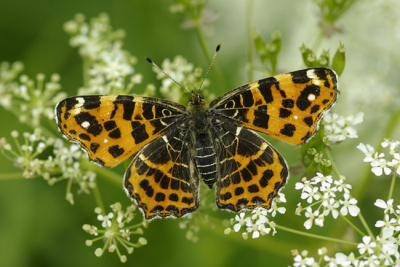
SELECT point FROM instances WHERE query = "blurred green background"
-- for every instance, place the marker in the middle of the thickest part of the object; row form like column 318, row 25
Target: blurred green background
column 39, row 228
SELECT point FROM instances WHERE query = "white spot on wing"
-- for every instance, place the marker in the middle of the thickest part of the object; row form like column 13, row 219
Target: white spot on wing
column 81, row 101
column 311, row 97
column 85, row 124
column 105, row 140
column 311, row 74
column 165, row 139
column 295, row 117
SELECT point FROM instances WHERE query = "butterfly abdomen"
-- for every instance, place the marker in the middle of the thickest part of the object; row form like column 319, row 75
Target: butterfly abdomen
column 206, row 160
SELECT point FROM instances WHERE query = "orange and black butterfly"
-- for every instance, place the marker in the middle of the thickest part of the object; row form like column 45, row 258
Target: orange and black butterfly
column 176, row 145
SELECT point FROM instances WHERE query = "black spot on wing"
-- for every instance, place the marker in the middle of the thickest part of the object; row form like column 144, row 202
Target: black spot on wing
column 128, row 105
column 139, row 133
column 309, row 121
column 116, row 151
column 94, row 127
column 109, row 125
column 287, row 103
column 288, row 130
column 302, row 102
column 91, row 102
column 284, row 113
column 300, row 76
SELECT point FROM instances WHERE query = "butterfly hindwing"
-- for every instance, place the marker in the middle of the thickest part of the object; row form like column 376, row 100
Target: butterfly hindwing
column 111, row 128
column 286, row 106
column 251, row 171
column 162, row 177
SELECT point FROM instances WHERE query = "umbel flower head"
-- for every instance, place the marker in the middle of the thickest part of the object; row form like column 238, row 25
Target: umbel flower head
column 115, row 231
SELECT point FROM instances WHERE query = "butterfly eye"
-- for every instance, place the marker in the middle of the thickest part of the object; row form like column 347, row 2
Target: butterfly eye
column 200, row 98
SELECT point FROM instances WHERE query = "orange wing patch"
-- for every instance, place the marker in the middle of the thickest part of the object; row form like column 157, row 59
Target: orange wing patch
column 112, row 128
column 286, row 106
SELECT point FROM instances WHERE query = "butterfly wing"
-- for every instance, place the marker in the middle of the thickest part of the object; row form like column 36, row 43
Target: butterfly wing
column 251, row 171
column 111, row 128
column 286, row 106
column 163, row 179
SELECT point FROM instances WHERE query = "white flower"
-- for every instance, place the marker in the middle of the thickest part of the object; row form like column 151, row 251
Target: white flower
column 349, row 206
column 387, row 222
column 366, row 246
column 395, row 163
column 310, row 193
column 331, row 206
column 311, row 215
column 299, row 261
column 241, row 221
column 379, row 166
column 368, row 150
column 388, row 206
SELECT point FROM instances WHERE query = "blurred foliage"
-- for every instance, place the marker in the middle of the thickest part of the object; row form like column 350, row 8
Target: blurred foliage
column 39, row 228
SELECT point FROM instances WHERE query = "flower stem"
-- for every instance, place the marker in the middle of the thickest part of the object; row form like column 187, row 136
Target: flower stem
column 392, row 186
column 334, row 167
column 315, row 236
column 364, row 223
column 215, row 69
column 97, row 198
column 351, row 224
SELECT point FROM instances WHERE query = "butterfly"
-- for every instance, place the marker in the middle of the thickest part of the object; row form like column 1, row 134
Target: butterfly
column 178, row 145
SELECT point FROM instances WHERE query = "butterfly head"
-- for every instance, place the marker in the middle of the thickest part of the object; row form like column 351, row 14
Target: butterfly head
column 196, row 99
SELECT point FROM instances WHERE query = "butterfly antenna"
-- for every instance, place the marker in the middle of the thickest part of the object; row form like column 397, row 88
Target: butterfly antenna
column 155, row 65
column 212, row 61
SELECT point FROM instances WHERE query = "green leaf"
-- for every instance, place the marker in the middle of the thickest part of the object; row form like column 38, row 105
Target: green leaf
column 339, row 60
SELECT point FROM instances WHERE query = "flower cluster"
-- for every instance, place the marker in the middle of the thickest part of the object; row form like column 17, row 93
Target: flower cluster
column 28, row 99
column 377, row 160
column 383, row 250
column 338, row 128
column 115, row 231
column 195, row 13
column 63, row 164
column 329, row 196
column 109, row 68
column 185, row 74
column 257, row 222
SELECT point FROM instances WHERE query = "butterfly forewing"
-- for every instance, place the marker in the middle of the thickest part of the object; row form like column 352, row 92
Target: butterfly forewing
column 111, row 128
column 286, row 106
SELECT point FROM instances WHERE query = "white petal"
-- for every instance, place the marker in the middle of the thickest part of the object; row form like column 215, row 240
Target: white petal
column 354, row 210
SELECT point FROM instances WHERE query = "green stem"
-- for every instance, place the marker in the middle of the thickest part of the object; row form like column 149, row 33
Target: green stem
column 97, row 198
column 215, row 69
column 250, row 46
column 392, row 186
column 11, row 176
column 364, row 223
column 318, row 41
column 334, row 167
column 315, row 236
column 351, row 224
column 362, row 184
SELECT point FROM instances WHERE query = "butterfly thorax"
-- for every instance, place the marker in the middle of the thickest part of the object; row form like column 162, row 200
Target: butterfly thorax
column 204, row 148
